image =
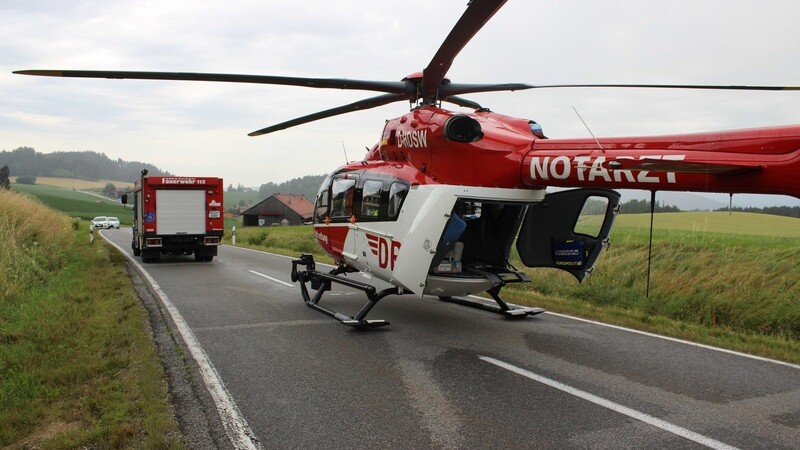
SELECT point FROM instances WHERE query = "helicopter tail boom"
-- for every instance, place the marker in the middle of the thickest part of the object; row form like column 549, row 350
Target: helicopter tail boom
column 757, row 161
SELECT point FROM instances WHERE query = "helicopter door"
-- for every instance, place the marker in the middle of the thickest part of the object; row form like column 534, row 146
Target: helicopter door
column 419, row 245
column 568, row 230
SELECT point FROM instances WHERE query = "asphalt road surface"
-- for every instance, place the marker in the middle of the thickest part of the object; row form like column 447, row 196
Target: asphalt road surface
column 444, row 376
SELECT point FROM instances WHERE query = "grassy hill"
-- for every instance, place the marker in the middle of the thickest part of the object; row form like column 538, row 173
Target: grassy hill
column 72, row 183
column 75, row 197
column 76, row 203
column 81, row 198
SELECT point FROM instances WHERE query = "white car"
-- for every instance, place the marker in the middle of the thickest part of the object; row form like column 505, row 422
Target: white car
column 100, row 222
column 113, row 222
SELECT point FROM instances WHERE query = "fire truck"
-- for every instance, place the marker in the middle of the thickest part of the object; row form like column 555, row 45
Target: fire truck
column 176, row 216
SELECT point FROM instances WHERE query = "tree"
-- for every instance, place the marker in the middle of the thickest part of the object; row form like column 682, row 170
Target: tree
column 26, row 179
column 109, row 189
column 5, row 183
column 307, row 185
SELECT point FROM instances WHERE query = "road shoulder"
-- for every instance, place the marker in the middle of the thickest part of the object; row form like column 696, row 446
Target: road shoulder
column 193, row 407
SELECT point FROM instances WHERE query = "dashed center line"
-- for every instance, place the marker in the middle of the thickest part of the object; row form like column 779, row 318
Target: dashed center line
column 632, row 413
column 271, row 278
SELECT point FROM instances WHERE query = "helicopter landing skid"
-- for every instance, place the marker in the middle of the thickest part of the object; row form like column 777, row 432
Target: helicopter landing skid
column 321, row 282
column 516, row 312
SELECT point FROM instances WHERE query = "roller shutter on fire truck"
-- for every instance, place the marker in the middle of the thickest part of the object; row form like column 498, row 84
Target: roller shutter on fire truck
column 180, row 211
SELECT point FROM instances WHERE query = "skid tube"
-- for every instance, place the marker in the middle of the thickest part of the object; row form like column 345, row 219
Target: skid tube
column 515, row 312
column 321, row 282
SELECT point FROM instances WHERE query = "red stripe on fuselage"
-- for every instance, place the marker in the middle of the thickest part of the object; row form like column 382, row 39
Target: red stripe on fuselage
column 331, row 238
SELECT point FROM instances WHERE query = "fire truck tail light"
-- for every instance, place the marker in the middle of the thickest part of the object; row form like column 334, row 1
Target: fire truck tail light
column 211, row 240
column 153, row 242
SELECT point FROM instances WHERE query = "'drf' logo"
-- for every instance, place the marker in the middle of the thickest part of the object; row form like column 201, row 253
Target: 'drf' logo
column 385, row 250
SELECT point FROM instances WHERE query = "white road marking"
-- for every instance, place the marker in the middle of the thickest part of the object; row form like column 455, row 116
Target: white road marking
column 271, row 279
column 666, row 338
column 272, row 254
column 258, row 251
column 239, row 433
column 632, row 413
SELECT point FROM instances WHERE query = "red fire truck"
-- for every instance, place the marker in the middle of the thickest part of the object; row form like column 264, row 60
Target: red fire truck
column 177, row 216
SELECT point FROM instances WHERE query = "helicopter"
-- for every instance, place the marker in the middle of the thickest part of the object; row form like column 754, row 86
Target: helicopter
column 437, row 206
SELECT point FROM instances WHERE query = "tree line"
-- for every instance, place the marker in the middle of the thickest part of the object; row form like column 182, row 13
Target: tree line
column 643, row 206
column 788, row 211
column 307, row 185
column 86, row 165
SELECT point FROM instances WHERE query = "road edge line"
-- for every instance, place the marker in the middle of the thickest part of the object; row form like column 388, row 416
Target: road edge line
column 234, row 423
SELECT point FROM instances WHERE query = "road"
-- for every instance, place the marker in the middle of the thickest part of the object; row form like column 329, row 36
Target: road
column 445, row 376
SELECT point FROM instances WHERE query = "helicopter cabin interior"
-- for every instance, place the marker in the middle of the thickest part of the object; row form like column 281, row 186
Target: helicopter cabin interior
column 566, row 231
column 477, row 239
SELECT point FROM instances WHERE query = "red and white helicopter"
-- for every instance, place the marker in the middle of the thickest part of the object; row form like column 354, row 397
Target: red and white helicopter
column 438, row 203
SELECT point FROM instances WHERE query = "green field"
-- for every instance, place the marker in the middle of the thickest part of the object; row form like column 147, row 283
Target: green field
column 84, row 185
column 76, row 203
column 703, row 222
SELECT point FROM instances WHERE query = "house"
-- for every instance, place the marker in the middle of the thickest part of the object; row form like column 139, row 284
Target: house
column 279, row 209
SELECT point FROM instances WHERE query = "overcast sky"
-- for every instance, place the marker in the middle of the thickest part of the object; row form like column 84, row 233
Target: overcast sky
column 196, row 128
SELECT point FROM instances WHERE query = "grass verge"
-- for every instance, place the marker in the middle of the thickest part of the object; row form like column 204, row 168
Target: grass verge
column 78, row 368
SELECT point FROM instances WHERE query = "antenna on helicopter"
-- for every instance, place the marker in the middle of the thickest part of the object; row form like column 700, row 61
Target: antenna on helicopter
column 650, row 245
column 589, row 130
column 345, row 153
column 730, row 204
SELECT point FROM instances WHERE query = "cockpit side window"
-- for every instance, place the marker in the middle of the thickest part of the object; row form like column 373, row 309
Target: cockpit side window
column 323, row 198
column 397, row 193
column 342, row 196
column 371, row 195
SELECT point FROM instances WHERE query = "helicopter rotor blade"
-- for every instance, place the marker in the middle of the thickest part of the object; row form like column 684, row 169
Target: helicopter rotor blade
column 666, row 86
column 474, row 18
column 451, row 89
column 391, row 87
column 368, row 103
column 461, row 101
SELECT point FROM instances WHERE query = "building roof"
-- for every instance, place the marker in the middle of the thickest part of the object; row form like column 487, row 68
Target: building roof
column 296, row 202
